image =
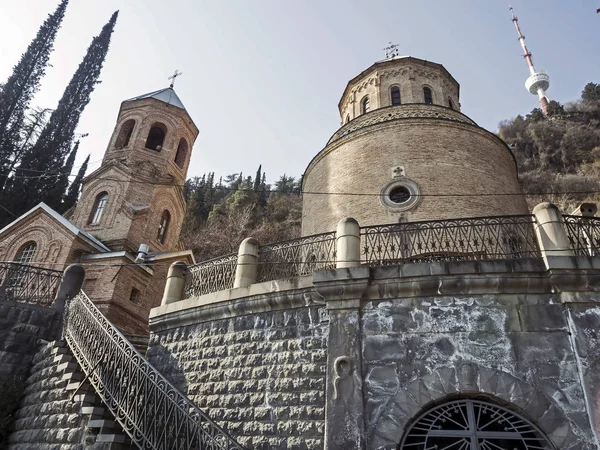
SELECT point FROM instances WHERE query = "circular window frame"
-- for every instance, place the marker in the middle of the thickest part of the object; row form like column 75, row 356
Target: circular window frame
column 408, row 184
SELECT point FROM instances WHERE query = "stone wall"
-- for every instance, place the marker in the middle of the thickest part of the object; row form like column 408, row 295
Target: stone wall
column 261, row 376
column 21, row 325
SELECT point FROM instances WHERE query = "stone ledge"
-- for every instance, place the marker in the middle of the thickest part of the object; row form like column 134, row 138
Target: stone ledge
column 261, row 297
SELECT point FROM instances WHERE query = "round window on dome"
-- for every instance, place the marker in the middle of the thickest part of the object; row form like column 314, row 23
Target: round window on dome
column 400, row 195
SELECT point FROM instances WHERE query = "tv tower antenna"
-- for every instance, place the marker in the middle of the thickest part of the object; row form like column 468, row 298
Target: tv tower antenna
column 538, row 82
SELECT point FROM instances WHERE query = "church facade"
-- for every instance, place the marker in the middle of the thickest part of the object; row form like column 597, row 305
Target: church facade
column 424, row 306
column 135, row 198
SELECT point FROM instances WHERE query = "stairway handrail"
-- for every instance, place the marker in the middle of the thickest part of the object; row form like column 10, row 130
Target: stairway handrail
column 123, row 375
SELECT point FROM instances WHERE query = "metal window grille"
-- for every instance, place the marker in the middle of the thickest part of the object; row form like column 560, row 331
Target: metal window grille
column 473, row 425
column 27, row 253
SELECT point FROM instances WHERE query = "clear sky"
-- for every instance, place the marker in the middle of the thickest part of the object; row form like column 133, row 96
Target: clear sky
column 262, row 78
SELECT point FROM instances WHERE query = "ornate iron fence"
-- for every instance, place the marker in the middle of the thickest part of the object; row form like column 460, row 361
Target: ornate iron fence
column 584, row 234
column 29, row 284
column 296, row 257
column 149, row 408
column 209, row 276
column 502, row 237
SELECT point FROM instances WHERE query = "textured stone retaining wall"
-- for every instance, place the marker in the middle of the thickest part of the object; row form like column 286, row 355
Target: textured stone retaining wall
column 512, row 348
column 21, row 325
column 260, row 376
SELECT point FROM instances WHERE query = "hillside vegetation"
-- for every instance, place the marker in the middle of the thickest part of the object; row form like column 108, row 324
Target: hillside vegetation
column 558, row 159
column 559, row 156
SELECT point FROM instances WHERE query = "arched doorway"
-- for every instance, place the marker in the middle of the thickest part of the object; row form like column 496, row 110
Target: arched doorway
column 471, row 424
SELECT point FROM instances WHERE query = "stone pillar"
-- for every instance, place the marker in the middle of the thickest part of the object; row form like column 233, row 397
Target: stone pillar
column 69, row 287
column 246, row 271
column 342, row 291
column 175, row 286
column 551, row 234
column 347, row 237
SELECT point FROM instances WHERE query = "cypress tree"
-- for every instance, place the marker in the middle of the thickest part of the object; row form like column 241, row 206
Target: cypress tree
column 59, row 188
column 21, row 86
column 49, row 151
column 75, row 187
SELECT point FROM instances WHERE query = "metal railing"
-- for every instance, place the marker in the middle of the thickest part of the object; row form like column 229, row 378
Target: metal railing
column 502, row 237
column 209, row 276
column 29, row 284
column 148, row 407
column 584, row 234
column 297, row 257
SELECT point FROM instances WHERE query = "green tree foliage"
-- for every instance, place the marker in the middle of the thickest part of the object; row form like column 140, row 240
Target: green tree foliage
column 33, row 181
column 20, row 87
column 219, row 216
column 73, row 192
column 561, row 153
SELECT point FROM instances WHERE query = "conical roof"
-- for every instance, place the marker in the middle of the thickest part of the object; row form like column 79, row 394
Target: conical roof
column 166, row 95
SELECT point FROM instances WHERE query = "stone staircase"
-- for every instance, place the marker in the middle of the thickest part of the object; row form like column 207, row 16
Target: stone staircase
column 60, row 410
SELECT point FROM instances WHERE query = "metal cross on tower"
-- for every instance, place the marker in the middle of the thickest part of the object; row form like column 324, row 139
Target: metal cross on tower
column 173, row 77
column 391, row 50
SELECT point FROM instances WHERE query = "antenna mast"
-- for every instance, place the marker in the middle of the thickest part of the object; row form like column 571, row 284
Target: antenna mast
column 538, row 82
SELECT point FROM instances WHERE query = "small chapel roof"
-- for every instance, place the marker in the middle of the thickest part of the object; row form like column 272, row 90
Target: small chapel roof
column 166, row 95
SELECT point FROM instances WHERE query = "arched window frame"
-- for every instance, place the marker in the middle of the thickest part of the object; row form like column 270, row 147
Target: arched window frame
column 98, row 209
column 365, row 105
column 450, row 103
column 163, row 226
column 125, row 133
column 26, row 253
column 154, row 140
column 427, row 95
column 181, row 154
column 395, row 97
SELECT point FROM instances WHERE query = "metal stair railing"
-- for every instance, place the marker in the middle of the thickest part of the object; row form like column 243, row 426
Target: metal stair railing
column 154, row 413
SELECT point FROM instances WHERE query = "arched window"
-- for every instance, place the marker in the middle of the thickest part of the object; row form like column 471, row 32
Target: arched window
column 472, row 425
column 98, row 209
column 450, row 104
column 156, row 137
column 395, row 95
column 164, row 225
column 427, row 96
column 348, row 118
column 125, row 134
column 364, row 105
column 27, row 253
column 181, row 154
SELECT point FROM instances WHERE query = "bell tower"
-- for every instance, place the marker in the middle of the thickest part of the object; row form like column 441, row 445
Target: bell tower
column 136, row 196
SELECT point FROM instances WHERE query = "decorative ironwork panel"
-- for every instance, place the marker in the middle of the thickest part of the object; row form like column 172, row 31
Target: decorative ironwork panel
column 149, row 408
column 24, row 283
column 502, row 237
column 297, row 257
column 211, row 276
column 584, row 234
column 473, row 425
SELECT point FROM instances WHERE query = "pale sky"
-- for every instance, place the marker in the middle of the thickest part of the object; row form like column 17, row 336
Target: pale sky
column 262, row 78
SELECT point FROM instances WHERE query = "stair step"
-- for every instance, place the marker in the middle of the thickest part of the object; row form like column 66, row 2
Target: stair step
column 59, row 351
column 86, row 398
column 103, row 424
column 59, row 359
column 116, row 438
column 95, row 412
column 72, row 376
column 67, row 366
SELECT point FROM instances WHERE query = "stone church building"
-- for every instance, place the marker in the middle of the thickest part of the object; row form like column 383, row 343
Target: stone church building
column 424, row 306
column 134, row 198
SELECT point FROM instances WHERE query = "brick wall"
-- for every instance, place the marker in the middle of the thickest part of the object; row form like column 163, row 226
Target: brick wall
column 261, row 377
column 442, row 157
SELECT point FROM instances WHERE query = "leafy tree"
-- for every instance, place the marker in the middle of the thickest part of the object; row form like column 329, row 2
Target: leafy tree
column 591, row 93
column 21, row 86
column 54, row 143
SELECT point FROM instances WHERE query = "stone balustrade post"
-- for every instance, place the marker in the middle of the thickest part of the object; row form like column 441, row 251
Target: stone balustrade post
column 175, row 286
column 246, row 272
column 551, row 233
column 69, row 287
column 347, row 237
